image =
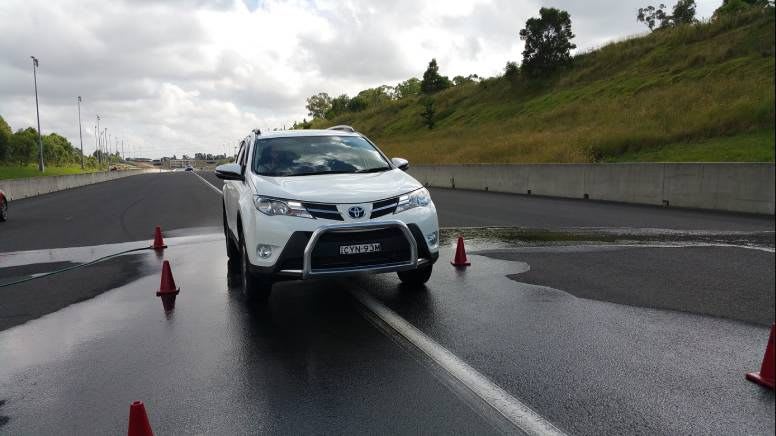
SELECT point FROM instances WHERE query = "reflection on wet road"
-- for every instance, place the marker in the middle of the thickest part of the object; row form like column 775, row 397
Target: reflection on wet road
column 310, row 363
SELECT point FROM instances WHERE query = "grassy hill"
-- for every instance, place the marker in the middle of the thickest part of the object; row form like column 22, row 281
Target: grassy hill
column 693, row 93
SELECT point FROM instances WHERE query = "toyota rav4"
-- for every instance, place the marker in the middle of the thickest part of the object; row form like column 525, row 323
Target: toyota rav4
column 317, row 203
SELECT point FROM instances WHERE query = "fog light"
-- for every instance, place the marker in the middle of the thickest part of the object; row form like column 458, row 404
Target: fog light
column 432, row 239
column 264, row 251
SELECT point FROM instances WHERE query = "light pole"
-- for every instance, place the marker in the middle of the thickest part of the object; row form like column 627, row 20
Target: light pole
column 37, row 111
column 80, row 134
column 99, row 151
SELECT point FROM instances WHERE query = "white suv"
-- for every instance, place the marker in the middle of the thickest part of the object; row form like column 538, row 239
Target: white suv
column 312, row 203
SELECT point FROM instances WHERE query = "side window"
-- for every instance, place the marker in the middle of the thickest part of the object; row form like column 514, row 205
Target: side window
column 245, row 148
column 239, row 157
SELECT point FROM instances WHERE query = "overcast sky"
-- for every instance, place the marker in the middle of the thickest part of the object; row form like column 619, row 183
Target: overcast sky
column 186, row 76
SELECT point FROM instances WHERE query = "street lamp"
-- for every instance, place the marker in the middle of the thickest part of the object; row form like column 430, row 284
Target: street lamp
column 37, row 110
column 96, row 138
column 99, row 149
column 80, row 134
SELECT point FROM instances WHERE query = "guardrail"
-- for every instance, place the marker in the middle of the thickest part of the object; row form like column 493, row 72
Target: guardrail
column 17, row 189
column 738, row 187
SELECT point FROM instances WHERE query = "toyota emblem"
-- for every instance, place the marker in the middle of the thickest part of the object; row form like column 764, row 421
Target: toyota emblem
column 356, row 212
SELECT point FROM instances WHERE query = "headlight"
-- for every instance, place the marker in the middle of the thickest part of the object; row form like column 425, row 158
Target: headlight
column 273, row 206
column 418, row 198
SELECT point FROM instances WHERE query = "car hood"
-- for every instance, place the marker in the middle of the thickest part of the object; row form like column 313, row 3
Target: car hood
column 337, row 188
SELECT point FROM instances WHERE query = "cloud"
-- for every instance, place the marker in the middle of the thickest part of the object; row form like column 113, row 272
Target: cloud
column 182, row 76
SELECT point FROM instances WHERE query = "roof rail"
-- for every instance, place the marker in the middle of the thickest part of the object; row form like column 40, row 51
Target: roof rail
column 343, row 128
column 257, row 131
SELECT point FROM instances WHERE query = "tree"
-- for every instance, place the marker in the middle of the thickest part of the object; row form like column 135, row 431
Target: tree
column 428, row 113
column 461, row 80
column 24, row 144
column 684, row 12
column 58, row 150
column 407, row 88
column 731, row 7
column 303, row 125
column 375, row 96
column 318, row 105
column 547, row 42
column 357, row 104
column 432, row 80
column 5, row 140
column 511, row 71
column 652, row 15
column 339, row 105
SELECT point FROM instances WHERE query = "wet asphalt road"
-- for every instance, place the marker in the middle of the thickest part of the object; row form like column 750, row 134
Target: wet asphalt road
column 310, row 363
column 121, row 210
column 714, row 281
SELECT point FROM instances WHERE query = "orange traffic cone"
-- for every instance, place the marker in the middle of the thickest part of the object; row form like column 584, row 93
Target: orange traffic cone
column 167, row 289
column 158, row 241
column 766, row 375
column 138, row 420
column 460, row 254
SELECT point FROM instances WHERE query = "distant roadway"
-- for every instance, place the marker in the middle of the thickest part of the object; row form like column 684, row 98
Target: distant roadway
column 128, row 209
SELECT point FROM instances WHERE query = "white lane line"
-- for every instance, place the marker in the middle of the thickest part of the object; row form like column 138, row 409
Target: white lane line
column 210, row 185
column 516, row 412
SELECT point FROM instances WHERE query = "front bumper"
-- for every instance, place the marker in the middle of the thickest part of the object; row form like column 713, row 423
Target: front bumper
column 296, row 261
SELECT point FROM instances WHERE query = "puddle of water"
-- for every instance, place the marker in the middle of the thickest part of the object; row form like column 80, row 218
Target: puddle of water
column 503, row 237
column 86, row 254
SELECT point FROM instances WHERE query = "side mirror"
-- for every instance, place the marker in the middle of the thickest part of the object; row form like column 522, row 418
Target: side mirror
column 401, row 163
column 230, row 171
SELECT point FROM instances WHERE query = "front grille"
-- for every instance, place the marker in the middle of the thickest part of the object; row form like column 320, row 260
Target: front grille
column 325, row 211
column 384, row 207
column 394, row 248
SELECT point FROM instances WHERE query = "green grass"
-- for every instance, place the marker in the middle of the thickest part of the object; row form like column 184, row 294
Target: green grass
column 703, row 92
column 20, row 172
column 747, row 147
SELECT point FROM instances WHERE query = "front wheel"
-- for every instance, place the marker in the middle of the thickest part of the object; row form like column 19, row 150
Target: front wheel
column 255, row 287
column 3, row 209
column 416, row 277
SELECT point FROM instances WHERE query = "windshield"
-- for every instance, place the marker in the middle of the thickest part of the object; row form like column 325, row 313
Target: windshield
column 306, row 155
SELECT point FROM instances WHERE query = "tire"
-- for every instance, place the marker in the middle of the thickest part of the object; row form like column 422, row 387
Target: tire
column 3, row 209
column 416, row 277
column 232, row 251
column 255, row 288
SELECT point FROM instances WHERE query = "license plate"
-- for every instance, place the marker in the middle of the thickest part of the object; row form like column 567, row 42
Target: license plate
column 360, row 248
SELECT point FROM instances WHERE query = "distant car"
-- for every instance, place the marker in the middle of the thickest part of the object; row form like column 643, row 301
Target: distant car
column 3, row 206
column 189, row 168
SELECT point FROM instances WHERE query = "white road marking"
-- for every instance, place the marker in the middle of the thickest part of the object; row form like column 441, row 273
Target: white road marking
column 516, row 412
column 210, row 185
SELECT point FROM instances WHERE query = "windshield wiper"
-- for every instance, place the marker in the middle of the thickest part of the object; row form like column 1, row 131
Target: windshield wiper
column 374, row 170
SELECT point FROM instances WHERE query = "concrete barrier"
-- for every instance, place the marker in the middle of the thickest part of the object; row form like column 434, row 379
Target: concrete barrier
column 738, row 187
column 17, row 189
